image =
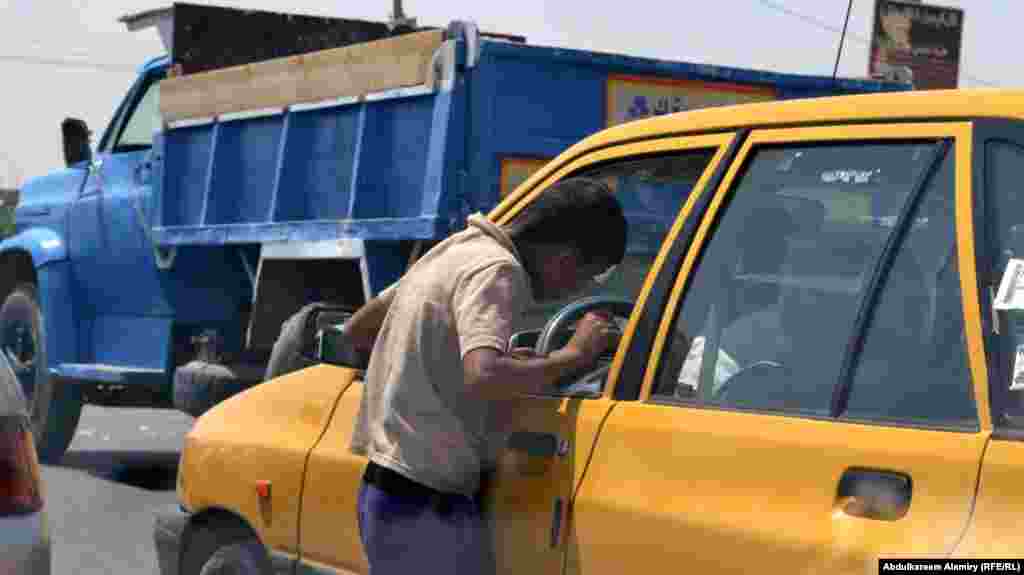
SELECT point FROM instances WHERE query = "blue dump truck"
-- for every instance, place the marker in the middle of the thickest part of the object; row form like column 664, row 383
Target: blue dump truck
column 271, row 163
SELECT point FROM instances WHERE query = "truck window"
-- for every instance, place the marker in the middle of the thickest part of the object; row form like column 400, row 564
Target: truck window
column 144, row 121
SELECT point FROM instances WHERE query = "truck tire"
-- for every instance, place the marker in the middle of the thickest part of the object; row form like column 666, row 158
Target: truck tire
column 55, row 407
column 295, row 346
column 200, row 385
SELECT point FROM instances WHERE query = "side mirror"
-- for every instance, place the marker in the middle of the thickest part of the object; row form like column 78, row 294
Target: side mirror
column 334, row 347
column 75, row 134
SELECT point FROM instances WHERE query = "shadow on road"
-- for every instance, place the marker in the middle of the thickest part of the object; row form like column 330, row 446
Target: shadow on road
column 150, row 470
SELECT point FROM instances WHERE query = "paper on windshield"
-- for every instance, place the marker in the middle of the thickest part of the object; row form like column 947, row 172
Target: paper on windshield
column 1011, row 288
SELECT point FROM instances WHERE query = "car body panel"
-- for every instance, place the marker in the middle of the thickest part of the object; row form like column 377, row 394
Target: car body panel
column 994, row 529
column 699, row 485
column 641, row 485
column 328, row 526
column 740, row 476
column 263, row 434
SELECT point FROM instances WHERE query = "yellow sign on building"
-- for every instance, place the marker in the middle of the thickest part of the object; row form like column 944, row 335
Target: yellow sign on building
column 632, row 97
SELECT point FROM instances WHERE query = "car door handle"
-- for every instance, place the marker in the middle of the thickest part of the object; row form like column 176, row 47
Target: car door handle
column 874, row 494
column 534, row 443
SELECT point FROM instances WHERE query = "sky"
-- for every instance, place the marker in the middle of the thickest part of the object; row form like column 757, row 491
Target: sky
column 61, row 58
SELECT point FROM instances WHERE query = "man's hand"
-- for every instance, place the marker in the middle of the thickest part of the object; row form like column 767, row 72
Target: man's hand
column 594, row 335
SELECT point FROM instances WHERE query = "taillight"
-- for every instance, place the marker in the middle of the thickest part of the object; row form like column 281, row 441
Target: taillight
column 20, row 483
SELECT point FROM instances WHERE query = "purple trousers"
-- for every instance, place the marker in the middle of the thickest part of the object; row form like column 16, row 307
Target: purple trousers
column 405, row 534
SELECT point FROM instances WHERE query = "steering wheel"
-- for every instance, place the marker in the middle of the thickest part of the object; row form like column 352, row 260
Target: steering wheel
column 593, row 380
column 752, row 377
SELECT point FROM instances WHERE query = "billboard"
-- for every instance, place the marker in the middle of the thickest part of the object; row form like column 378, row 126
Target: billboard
column 924, row 39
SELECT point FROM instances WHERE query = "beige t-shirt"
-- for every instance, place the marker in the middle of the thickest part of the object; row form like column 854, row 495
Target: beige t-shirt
column 469, row 291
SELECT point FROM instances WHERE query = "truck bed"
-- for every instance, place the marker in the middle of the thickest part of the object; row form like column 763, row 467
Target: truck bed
column 410, row 163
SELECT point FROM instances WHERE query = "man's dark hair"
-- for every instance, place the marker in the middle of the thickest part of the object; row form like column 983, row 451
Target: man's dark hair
column 578, row 212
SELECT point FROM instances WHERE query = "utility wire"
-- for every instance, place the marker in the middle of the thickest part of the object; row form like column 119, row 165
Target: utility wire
column 842, row 38
column 860, row 39
column 21, row 59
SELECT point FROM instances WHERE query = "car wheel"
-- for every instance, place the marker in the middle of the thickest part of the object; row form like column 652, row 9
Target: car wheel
column 225, row 550
column 55, row 408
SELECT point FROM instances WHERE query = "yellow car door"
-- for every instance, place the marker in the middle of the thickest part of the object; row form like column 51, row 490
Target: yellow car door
column 547, row 448
column 994, row 531
column 328, row 530
column 814, row 397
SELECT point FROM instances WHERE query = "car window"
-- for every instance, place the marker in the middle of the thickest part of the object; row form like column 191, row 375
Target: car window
column 651, row 191
column 913, row 364
column 772, row 304
column 143, row 123
column 1005, row 219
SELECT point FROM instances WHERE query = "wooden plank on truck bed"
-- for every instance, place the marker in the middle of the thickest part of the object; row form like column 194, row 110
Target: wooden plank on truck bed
column 356, row 70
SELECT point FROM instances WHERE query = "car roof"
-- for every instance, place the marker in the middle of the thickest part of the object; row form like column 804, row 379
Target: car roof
column 899, row 106
column 920, row 105
column 12, row 400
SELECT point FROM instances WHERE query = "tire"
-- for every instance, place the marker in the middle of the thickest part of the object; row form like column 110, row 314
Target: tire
column 55, row 407
column 220, row 549
column 199, row 385
column 295, row 345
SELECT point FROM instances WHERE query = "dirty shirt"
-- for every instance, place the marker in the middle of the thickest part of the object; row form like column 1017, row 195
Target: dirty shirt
column 469, row 291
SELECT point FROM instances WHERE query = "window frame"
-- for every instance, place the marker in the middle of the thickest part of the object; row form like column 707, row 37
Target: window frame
column 638, row 332
column 111, row 138
column 960, row 135
column 997, row 353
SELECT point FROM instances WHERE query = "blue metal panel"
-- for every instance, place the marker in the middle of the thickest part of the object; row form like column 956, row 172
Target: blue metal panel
column 43, row 244
column 317, row 168
column 184, row 167
column 384, row 265
column 619, row 64
column 446, row 158
column 424, row 227
column 131, row 341
column 57, row 299
column 243, row 173
column 282, row 155
column 393, row 158
column 525, row 104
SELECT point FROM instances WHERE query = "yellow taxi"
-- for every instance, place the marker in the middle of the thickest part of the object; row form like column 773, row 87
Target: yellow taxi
column 818, row 367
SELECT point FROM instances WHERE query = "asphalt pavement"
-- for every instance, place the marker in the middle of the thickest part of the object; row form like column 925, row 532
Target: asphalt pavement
column 101, row 497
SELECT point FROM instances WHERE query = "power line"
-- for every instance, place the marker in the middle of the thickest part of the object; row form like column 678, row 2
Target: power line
column 21, row 59
column 860, row 39
column 842, row 38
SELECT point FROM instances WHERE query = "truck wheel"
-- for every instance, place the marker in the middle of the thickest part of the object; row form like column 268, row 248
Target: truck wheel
column 200, row 385
column 56, row 408
column 225, row 550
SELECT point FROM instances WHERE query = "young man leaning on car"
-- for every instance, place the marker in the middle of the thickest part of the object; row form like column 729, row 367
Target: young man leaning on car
column 439, row 375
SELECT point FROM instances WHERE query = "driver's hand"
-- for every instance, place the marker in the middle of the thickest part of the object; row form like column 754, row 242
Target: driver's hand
column 595, row 334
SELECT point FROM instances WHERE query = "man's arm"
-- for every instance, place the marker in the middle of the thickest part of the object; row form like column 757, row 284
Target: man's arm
column 363, row 326
column 491, row 374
